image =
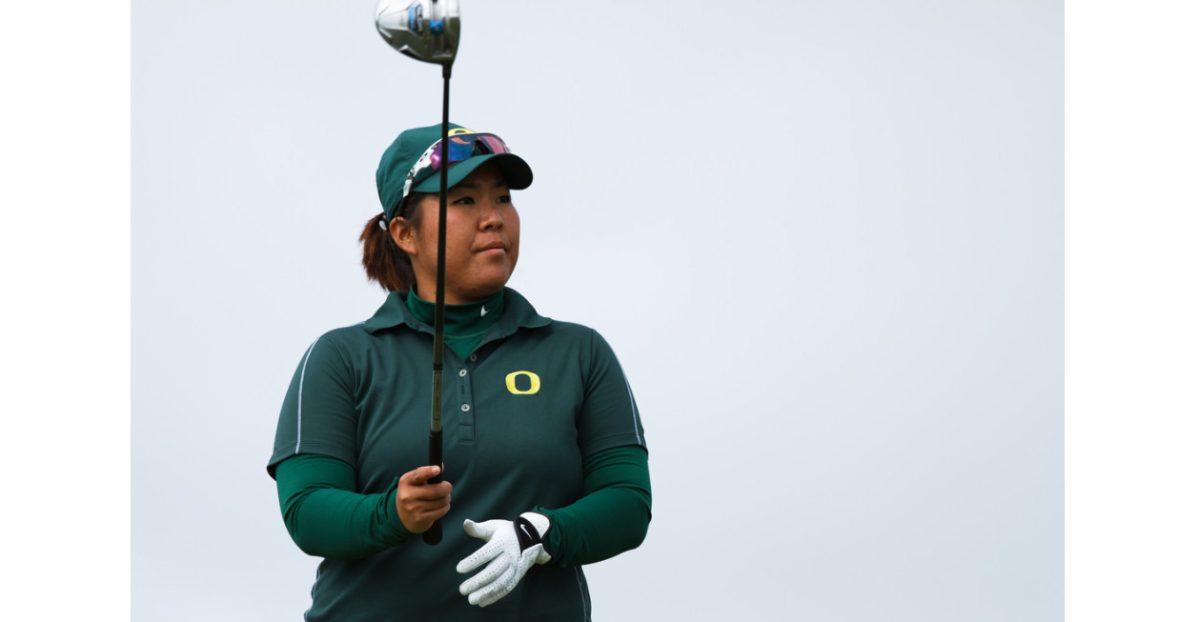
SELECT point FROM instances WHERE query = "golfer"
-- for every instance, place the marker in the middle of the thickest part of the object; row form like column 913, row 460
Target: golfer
column 545, row 455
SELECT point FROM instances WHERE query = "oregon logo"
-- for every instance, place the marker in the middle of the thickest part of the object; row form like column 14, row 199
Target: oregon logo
column 535, row 383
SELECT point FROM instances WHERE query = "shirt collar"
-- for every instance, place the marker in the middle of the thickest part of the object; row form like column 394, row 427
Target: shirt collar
column 517, row 313
column 461, row 319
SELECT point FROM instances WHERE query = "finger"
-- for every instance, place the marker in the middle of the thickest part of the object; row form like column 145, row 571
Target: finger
column 490, row 573
column 478, row 530
column 419, row 475
column 494, row 591
column 440, row 490
column 423, row 509
column 481, row 556
column 427, row 492
column 435, row 513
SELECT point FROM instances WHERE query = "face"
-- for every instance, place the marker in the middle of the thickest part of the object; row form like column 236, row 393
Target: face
column 479, row 214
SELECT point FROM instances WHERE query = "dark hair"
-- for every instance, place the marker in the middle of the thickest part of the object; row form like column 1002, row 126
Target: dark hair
column 385, row 262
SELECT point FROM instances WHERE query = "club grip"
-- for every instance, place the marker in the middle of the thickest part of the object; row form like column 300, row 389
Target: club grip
column 433, row 535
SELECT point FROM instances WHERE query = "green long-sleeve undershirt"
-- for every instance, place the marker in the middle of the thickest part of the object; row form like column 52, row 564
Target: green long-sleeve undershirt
column 613, row 514
column 327, row 518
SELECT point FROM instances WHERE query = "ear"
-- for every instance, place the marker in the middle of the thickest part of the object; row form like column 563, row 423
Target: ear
column 403, row 235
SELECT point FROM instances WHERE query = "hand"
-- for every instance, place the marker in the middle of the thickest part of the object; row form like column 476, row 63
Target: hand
column 513, row 547
column 419, row 503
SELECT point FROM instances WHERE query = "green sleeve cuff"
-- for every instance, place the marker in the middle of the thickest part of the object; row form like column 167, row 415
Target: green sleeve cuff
column 394, row 527
column 552, row 541
column 325, row 515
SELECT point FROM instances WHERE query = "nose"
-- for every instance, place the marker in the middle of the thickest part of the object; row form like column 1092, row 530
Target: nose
column 490, row 218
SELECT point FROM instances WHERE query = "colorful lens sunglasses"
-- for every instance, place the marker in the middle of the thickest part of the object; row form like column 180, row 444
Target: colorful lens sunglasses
column 460, row 147
column 463, row 146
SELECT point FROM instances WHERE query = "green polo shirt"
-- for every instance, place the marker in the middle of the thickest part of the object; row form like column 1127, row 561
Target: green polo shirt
column 521, row 413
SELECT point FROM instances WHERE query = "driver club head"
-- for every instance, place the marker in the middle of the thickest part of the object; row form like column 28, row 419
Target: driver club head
column 426, row 30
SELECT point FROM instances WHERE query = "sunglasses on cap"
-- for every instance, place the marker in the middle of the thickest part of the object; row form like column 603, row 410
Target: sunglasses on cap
column 460, row 147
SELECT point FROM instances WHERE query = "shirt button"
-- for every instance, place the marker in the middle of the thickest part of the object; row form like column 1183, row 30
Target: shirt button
column 462, row 372
column 466, row 407
column 474, row 357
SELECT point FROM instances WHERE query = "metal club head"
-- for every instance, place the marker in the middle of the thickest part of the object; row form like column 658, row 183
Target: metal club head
column 426, row 30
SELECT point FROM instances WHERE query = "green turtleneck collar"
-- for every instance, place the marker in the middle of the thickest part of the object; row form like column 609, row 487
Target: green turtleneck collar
column 466, row 320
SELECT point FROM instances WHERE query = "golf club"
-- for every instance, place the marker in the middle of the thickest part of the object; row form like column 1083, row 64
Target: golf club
column 428, row 31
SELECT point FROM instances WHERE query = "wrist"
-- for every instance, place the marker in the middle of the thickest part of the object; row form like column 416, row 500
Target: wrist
column 541, row 522
column 531, row 527
column 398, row 532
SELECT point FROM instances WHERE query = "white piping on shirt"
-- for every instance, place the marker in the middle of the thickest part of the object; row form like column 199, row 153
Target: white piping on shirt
column 632, row 406
column 300, row 395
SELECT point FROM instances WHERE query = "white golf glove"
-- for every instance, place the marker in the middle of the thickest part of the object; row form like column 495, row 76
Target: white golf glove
column 512, row 546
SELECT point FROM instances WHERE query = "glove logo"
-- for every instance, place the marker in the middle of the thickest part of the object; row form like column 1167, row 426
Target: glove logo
column 510, row 381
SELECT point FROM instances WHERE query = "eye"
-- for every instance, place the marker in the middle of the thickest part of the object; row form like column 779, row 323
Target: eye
column 504, row 198
column 465, row 201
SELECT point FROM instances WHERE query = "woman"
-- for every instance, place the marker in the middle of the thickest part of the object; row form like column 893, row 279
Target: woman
column 545, row 457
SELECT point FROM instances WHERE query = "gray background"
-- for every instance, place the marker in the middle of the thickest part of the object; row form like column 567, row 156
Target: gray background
column 825, row 240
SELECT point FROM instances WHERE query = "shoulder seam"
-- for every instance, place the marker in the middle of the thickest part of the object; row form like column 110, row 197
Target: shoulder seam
column 345, row 361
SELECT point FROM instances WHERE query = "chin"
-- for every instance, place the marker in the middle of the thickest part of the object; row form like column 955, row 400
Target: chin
column 490, row 282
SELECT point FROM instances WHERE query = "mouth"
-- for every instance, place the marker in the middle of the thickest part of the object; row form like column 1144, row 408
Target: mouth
column 494, row 246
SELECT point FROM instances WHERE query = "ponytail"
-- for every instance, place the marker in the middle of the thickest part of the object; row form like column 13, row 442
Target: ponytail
column 386, row 263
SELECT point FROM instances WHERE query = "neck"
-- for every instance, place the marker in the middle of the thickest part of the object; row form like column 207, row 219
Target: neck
column 427, row 292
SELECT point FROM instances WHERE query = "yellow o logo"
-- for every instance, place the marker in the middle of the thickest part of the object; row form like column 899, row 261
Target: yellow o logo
column 535, row 383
